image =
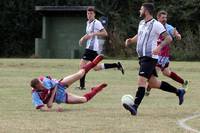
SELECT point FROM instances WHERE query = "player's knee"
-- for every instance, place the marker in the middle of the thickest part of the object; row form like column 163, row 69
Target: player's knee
column 155, row 84
column 97, row 68
column 81, row 73
column 142, row 81
column 166, row 73
column 83, row 100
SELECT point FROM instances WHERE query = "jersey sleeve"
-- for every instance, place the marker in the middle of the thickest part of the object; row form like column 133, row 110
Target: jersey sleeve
column 98, row 25
column 48, row 83
column 37, row 101
column 170, row 30
column 159, row 28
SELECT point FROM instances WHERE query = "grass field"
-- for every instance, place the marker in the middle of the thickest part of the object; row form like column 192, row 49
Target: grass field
column 158, row 113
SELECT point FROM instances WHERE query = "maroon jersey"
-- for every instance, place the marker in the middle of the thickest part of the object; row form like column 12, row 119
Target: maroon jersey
column 165, row 50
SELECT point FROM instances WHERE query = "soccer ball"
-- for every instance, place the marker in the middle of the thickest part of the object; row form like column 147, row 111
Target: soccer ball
column 127, row 99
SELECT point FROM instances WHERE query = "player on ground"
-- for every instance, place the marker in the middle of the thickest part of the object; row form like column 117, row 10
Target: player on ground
column 94, row 30
column 163, row 59
column 46, row 91
column 149, row 31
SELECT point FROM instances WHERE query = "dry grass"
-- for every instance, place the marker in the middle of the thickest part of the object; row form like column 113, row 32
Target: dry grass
column 158, row 113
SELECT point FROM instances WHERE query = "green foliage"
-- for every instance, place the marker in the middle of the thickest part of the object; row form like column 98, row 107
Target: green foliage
column 20, row 25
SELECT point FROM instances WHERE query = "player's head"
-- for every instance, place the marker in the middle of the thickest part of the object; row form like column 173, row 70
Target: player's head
column 36, row 84
column 146, row 9
column 162, row 16
column 90, row 13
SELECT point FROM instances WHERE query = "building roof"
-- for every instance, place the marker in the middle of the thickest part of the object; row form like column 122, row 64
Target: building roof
column 61, row 9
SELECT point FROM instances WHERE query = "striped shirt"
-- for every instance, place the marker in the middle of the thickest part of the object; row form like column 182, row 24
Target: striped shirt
column 93, row 27
column 39, row 98
column 148, row 34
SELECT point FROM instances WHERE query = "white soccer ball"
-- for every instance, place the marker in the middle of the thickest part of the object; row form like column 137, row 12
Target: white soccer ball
column 127, row 99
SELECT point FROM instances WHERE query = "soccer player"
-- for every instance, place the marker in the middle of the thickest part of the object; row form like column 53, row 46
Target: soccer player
column 94, row 30
column 163, row 59
column 46, row 91
column 149, row 31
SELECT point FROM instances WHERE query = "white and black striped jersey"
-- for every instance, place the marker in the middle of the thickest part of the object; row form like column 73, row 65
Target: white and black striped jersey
column 148, row 34
column 92, row 27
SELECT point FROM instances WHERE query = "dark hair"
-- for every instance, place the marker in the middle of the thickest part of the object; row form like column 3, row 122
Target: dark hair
column 91, row 9
column 34, row 82
column 149, row 7
column 161, row 12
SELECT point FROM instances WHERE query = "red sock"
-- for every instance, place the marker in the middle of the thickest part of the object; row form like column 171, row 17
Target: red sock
column 175, row 77
column 92, row 64
column 94, row 91
column 97, row 59
column 88, row 66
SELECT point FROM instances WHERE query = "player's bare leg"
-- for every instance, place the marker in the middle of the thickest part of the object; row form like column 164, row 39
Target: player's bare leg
column 74, row 99
column 148, row 90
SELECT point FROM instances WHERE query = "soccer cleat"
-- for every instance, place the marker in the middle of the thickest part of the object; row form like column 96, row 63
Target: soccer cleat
column 181, row 93
column 99, row 87
column 147, row 93
column 131, row 109
column 185, row 85
column 120, row 67
column 81, row 88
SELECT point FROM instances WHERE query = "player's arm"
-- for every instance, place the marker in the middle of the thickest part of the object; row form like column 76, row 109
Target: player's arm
column 176, row 34
column 83, row 38
column 50, row 103
column 167, row 40
column 101, row 33
column 131, row 40
column 45, row 109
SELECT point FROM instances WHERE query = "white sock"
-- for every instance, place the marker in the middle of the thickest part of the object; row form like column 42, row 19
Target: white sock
column 102, row 66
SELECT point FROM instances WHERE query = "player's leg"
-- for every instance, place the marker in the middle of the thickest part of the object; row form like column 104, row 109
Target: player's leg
column 167, row 72
column 88, row 56
column 147, row 92
column 82, row 80
column 147, row 68
column 142, row 83
column 67, row 81
column 158, row 69
column 155, row 83
column 117, row 65
column 74, row 99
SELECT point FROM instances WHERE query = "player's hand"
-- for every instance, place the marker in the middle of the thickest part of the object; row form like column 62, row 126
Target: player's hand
column 176, row 34
column 81, row 42
column 128, row 42
column 88, row 36
column 157, row 50
column 59, row 109
column 43, row 109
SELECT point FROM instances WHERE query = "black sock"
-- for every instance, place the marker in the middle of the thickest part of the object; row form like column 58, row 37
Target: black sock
column 139, row 96
column 108, row 66
column 82, row 82
column 169, row 88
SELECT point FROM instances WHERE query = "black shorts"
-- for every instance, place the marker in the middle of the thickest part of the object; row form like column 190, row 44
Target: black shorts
column 147, row 67
column 89, row 55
